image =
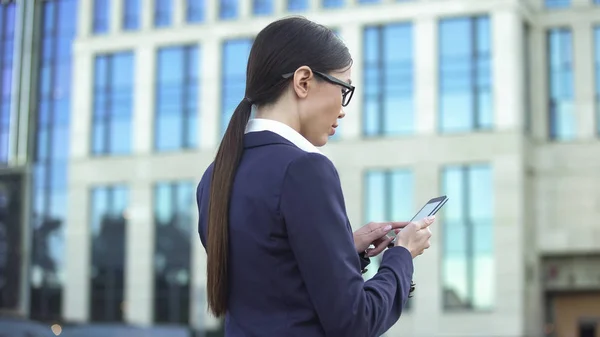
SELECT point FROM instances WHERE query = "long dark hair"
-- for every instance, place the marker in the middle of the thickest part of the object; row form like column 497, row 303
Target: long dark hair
column 280, row 48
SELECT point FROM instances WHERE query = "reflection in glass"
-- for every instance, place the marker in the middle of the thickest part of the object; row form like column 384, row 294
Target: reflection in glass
column 173, row 204
column 297, row 5
column 557, row 3
column 101, row 19
column 465, row 74
column 332, row 3
column 388, row 197
column 228, row 9
column 49, row 195
column 262, row 7
column 109, row 239
column 560, row 62
column 113, row 104
column 177, row 98
column 235, row 60
column 597, row 67
column 388, row 80
column 131, row 14
column 7, row 36
column 527, row 95
column 468, row 254
column 195, row 11
column 163, row 13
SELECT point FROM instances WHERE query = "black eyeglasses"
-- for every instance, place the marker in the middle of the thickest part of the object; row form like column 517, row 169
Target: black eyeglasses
column 347, row 89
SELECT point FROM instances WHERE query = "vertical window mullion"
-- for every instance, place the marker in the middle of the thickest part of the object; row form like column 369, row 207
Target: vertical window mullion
column 380, row 71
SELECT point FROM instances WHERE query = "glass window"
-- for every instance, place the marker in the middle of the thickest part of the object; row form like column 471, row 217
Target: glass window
column 131, row 14
column 468, row 238
column 228, row 9
column 50, row 170
column 113, row 104
column 465, row 75
column 561, row 95
column 557, row 3
column 297, row 5
column 597, row 66
column 7, row 40
column 177, row 98
column 235, row 60
column 163, row 13
column 527, row 96
column 369, row 1
column 388, row 196
column 195, row 11
column 333, row 3
column 109, row 244
column 262, row 7
column 388, row 97
column 101, row 18
column 173, row 202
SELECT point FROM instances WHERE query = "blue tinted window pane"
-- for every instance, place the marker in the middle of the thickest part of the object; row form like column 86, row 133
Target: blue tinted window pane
column 173, row 202
column 557, row 3
column 560, row 61
column 597, row 67
column 235, row 60
column 297, row 5
column 163, row 12
column 177, row 98
column 262, row 7
column 109, row 244
column 333, row 3
column 131, row 14
column 468, row 273
column 51, row 156
column 195, row 11
column 228, row 9
column 388, row 196
column 101, row 19
column 465, row 74
column 113, row 104
column 388, row 80
column 7, row 35
column 368, row 1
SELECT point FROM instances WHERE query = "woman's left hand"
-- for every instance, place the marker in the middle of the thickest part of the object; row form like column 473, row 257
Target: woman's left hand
column 374, row 233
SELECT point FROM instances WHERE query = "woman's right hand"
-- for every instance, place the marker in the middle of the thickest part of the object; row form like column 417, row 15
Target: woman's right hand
column 415, row 236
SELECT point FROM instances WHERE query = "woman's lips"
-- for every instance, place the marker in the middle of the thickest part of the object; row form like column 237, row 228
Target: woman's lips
column 332, row 130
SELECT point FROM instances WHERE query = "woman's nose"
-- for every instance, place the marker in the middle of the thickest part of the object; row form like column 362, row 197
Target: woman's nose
column 342, row 113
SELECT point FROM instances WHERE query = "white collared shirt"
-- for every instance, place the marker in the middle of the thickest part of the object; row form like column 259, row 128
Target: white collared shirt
column 285, row 131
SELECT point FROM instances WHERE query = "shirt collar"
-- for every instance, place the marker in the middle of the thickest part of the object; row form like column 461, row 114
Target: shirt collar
column 285, row 131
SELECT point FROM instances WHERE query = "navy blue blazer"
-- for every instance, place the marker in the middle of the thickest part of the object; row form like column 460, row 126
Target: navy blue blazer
column 293, row 268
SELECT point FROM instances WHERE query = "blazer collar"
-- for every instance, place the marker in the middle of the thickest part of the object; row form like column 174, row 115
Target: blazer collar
column 288, row 134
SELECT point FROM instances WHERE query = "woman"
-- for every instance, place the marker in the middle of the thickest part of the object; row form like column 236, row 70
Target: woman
column 282, row 258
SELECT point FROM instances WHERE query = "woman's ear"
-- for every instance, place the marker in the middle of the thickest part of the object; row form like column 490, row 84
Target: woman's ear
column 302, row 81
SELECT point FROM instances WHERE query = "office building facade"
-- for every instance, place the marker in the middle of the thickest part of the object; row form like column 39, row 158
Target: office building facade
column 494, row 103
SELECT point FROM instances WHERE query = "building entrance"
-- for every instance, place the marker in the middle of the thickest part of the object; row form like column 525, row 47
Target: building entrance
column 577, row 315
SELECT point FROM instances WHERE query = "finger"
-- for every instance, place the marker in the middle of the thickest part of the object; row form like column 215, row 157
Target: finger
column 379, row 247
column 424, row 223
column 377, row 231
column 399, row 224
column 381, row 226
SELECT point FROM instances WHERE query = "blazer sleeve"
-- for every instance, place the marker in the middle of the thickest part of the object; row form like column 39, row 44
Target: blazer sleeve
column 312, row 206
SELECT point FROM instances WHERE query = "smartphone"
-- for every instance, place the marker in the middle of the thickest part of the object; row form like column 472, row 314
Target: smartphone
column 430, row 208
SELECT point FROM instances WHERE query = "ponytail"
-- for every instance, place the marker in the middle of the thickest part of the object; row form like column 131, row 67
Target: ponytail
column 225, row 166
